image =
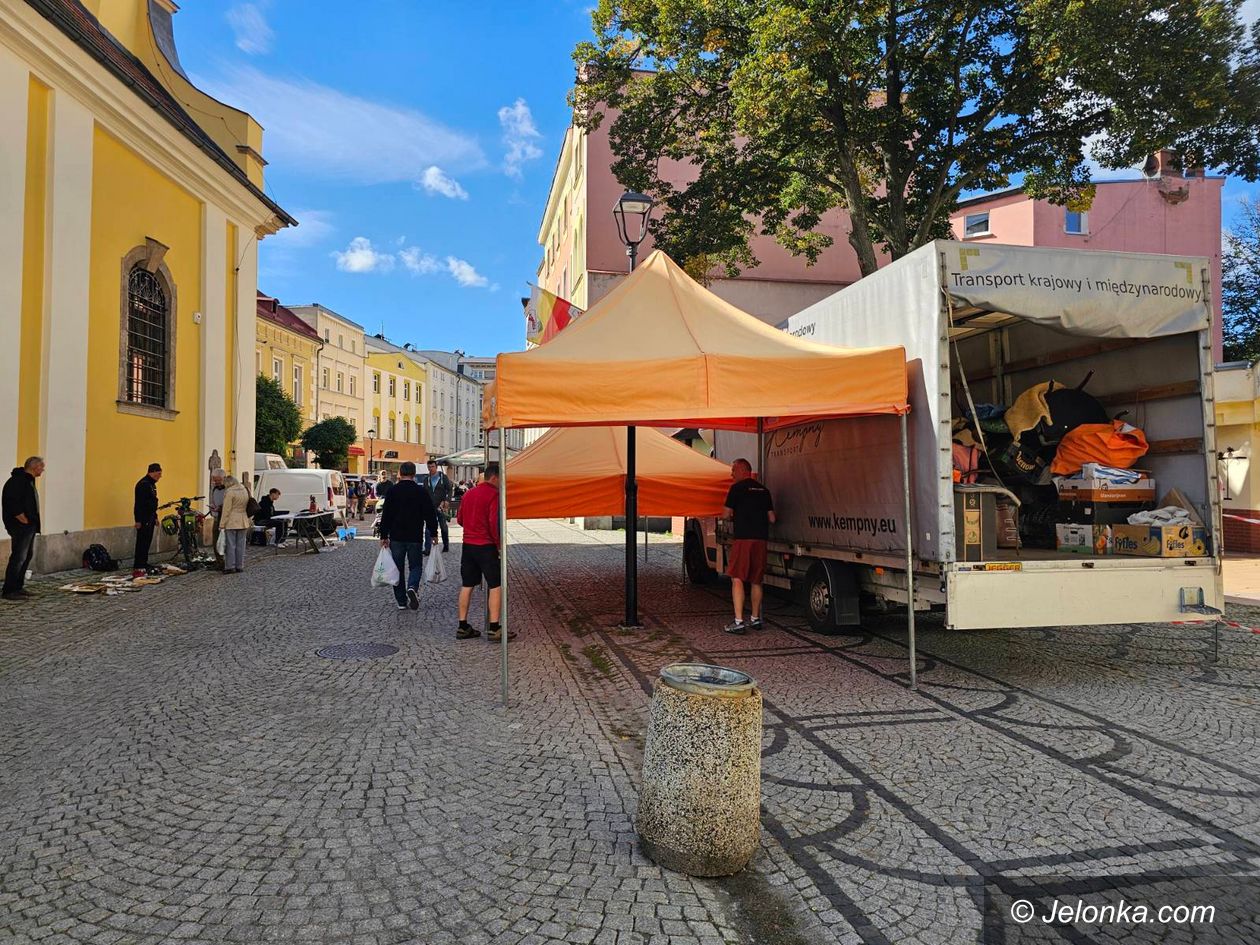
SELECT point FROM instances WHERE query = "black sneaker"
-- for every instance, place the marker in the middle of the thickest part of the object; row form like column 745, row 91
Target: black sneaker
column 413, row 599
column 467, row 633
column 494, row 636
column 445, row 549
column 738, row 628
column 402, row 606
column 755, row 624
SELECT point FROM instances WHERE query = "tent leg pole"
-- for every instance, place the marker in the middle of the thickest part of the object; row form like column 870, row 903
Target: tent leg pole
column 503, row 593
column 632, row 523
column 905, row 475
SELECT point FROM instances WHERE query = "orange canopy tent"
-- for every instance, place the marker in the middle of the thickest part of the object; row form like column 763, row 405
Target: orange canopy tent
column 663, row 350
column 582, row 471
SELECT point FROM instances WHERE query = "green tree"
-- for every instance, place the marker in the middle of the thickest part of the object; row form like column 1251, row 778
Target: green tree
column 1240, row 286
column 330, row 441
column 277, row 419
column 785, row 109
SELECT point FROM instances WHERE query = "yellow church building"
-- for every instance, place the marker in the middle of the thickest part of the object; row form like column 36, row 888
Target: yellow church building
column 131, row 206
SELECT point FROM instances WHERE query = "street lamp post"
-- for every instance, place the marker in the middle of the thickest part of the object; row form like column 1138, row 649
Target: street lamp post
column 631, row 213
column 371, row 448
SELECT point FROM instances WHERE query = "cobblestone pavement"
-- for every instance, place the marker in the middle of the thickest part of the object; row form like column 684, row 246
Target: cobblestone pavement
column 180, row 765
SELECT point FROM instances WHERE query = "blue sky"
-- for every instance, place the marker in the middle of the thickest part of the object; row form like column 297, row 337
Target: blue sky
column 413, row 141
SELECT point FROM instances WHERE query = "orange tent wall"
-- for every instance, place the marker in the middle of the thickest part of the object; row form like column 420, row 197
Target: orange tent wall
column 582, row 471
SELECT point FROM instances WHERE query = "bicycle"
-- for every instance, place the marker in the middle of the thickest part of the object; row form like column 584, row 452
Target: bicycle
column 186, row 523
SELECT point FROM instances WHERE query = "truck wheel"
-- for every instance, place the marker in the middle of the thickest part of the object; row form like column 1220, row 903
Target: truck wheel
column 698, row 570
column 820, row 605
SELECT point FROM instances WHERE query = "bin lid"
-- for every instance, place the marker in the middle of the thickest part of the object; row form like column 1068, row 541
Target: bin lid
column 707, row 679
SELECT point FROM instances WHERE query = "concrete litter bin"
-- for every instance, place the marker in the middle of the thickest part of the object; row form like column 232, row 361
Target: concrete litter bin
column 700, row 806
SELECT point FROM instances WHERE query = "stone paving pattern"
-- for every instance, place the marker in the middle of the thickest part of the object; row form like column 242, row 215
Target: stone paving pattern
column 178, row 764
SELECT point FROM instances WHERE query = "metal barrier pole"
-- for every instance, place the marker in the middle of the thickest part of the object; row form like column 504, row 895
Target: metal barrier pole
column 905, row 475
column 503, row 593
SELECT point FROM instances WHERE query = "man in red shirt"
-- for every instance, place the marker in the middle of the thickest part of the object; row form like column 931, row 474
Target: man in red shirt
column 479, row 517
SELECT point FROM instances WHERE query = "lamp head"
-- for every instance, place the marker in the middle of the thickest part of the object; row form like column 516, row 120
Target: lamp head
column 632, row 212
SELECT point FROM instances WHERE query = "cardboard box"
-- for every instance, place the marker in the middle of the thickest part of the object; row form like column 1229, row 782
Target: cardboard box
column 1161, row 541
column 1083, row 539
column 1100, row 490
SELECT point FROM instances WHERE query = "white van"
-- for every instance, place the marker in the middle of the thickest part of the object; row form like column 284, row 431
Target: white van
column 268, row 461
column 296, row 486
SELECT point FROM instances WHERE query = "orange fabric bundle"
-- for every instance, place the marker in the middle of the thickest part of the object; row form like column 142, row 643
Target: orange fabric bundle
column 1117, row 444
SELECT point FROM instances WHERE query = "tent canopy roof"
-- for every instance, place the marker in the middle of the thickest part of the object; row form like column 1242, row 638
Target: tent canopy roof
column 661, row 349
column 582, row 471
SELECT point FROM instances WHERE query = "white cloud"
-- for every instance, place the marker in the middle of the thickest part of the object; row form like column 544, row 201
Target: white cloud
column 329, row 134
column 1099, row 173
column 464, row 273
column 1249, row 12
column 253, row 33
column 360, row 256
column 519, row 135
column 314, row 226
column 418, row 262
column 434, row 180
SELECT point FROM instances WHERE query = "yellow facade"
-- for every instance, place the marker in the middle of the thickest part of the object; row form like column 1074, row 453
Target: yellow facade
column 278, row 350
column 128, row 272
column 120, row 222
column 394, row 405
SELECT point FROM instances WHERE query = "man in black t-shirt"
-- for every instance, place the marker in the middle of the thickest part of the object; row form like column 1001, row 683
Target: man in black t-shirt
column 751, row 511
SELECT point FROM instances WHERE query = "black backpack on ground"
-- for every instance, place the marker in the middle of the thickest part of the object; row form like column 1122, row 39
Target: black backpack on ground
column 96, row 558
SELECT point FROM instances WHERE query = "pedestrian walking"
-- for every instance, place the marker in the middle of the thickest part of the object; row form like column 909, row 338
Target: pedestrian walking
column 479, row 558
column 408, row 517
column 20, row 502
column 751, row 511
column 144, row 512
column 438, row 485
column 235, row 524
column 362, row 497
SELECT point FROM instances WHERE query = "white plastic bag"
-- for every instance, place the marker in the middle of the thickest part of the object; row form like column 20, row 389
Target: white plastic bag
column 384, row 572
column 220, row 543
column 434, row 568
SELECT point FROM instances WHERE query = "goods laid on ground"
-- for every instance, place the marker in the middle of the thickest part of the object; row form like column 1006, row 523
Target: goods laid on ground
column 116, row 584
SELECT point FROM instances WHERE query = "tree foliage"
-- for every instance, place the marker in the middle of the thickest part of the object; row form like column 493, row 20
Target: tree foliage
column 330, row 440
column 784, row 109
column 1240, row 286
column 277, row 419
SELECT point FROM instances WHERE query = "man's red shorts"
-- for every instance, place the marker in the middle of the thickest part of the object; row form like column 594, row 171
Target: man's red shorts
column 747, row 560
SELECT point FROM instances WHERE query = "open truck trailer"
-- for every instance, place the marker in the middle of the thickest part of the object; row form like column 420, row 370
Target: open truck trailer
column 980, row 324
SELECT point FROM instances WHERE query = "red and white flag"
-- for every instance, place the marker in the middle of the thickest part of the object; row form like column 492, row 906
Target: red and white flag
column 547, row 315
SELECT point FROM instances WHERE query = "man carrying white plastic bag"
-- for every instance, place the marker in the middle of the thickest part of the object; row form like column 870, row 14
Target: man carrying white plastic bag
column 408, row 516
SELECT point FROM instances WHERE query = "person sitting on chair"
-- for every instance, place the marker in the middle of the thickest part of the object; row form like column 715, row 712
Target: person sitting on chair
column 267, row 513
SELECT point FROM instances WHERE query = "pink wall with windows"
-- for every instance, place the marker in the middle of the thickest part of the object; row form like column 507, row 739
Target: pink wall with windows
column 838, row 265
column 1176, row 215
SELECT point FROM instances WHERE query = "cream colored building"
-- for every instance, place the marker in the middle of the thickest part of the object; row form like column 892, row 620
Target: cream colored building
column 339, row 364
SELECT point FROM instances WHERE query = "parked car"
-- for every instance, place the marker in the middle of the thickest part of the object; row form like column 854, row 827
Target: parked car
column 296, row 486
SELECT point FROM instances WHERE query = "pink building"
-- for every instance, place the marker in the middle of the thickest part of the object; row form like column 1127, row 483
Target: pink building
column 583, row 258
column 1166, row 213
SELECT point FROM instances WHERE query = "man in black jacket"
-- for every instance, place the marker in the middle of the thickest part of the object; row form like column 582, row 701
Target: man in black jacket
column 21, row 520
column 438, row 485
column 408, row 513
column 145, row 514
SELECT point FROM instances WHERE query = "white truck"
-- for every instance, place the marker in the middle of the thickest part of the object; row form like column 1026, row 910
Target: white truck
column 980, row 324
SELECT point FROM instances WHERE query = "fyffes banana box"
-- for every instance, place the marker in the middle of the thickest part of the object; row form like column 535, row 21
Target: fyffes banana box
column 1155, row 541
